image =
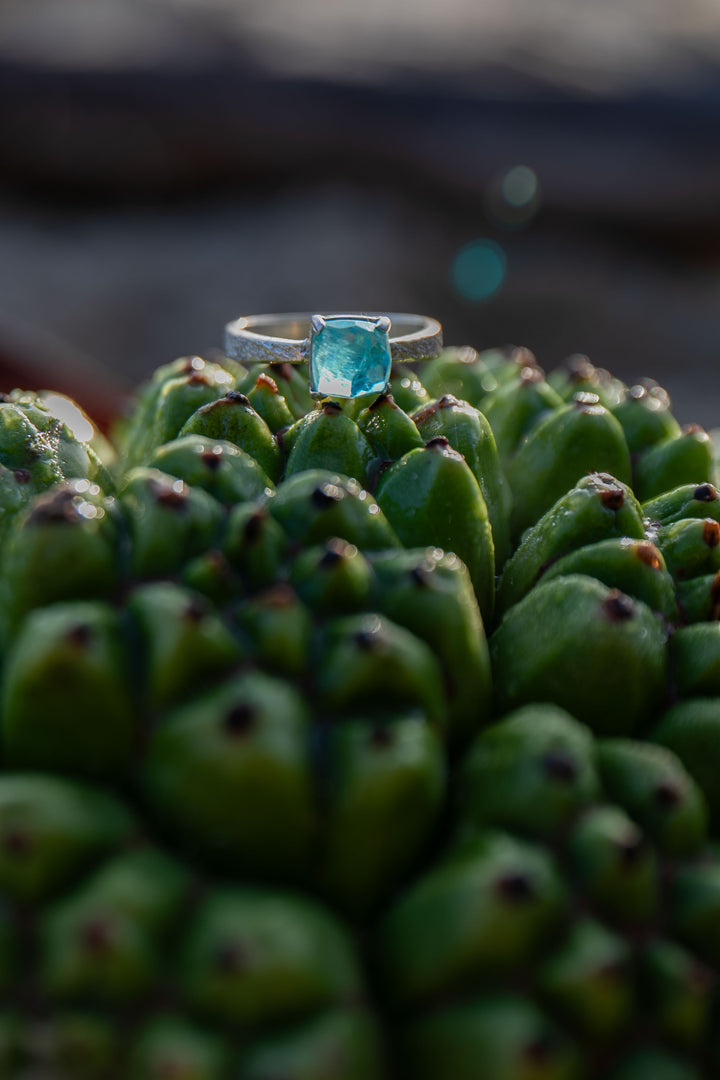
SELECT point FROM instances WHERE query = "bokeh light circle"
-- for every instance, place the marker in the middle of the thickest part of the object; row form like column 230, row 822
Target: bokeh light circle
column 479, row 270
column 519, row 186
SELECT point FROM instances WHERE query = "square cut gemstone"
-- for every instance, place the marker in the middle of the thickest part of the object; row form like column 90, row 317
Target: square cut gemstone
column 349, row 357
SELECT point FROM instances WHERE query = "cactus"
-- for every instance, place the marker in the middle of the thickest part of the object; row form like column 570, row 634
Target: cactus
column 360, row 740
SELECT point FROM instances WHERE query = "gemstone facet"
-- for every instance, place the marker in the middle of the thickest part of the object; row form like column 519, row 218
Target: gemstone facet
column 349, row 356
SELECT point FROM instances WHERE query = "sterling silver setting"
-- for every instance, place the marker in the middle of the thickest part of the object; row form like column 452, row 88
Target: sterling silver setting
column 287, row 338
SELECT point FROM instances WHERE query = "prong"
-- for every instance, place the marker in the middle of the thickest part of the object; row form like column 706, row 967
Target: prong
column 318, row 322
column 383, row 323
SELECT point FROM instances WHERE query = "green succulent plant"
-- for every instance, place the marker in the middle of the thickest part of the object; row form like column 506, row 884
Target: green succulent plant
column 361, row 740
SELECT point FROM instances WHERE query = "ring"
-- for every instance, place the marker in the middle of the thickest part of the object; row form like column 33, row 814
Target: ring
column 349, row 355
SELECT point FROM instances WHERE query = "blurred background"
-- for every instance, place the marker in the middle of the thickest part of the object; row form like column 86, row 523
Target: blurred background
column 537, row 173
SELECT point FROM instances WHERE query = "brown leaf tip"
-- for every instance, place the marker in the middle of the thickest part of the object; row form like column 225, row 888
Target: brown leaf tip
column 237, row 398
column 613, row 498
column 631, row 847
column 559, row 766
column 173, row 498
column 441, row 445
column 336, row 551
column 57, row 507
column 254, row 526
column 97, row 937
column 264, row 382
column 617, row 607
column 648, row 554
column 197, row 378
column 381, row 737
column 667, row 794
column 425, row 414
column 326, row 495
column 211, row 459
column 711, row 532
column 79, row 635
column 231, row 958
column 515, row 887
column 240, row 719
column 368, row 640
column 705, row 493
column 383, row 400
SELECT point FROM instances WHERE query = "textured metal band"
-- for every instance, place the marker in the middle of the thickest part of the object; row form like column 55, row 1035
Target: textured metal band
column 283, row 339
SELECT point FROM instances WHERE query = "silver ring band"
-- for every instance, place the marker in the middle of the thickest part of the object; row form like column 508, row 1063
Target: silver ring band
column 284, row 339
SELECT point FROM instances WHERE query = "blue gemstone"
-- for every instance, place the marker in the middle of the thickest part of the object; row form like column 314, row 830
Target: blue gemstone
column 349, row 357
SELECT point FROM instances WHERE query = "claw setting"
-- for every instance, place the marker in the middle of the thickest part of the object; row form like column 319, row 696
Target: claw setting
column 349, row 355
